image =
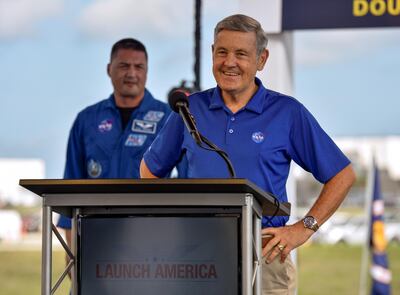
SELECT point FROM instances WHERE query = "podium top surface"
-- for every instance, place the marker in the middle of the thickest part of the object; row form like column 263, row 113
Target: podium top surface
column 44, row 187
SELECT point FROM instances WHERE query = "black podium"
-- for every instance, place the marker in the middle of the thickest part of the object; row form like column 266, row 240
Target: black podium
column 162, row 236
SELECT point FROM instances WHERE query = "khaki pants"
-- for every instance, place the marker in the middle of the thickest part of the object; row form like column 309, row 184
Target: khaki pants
column 277, row 278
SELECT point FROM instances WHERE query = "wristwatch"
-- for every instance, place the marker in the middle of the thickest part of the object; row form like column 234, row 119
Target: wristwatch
column 311, row 223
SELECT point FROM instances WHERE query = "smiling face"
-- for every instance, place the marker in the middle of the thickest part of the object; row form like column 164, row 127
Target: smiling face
column 235, row 63
column 128, row 73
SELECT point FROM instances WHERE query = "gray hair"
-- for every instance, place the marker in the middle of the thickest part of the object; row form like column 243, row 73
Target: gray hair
column 243, row 23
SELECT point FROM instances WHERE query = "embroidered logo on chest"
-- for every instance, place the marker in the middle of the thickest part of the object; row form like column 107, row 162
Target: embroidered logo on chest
column 142, row 126
column 135, row 140
column 257, row 137
column 94, row 168
column 105, row 125
column 154, row 116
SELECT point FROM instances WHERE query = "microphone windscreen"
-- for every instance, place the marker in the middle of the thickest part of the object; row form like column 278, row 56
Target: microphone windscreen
column 175, row 97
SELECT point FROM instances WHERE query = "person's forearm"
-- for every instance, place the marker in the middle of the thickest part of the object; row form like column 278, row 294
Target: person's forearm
column 145, row 171
column 332, row 195
column 68, row 237
column 285, row 239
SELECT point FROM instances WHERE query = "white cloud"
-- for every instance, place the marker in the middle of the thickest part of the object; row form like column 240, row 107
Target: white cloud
column 122, row 17
column 157, row 18
column 329, row 46
column 18, row 17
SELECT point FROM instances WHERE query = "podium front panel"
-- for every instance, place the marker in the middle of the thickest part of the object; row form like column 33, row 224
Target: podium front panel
column 162, row 236
column 159, row 255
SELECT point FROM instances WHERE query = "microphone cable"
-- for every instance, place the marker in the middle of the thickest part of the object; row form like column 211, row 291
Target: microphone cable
column 212, row 147
column 224, row 155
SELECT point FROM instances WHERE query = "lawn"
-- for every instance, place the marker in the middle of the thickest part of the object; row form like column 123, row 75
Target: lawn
column 323, row 269
column 326, row 269
column 20, row 272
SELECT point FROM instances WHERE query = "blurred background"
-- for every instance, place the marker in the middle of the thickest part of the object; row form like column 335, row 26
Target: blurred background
column 53, row 58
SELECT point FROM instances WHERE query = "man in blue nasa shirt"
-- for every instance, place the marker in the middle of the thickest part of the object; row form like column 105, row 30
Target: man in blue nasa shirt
column 262, row 131
column 108, row 139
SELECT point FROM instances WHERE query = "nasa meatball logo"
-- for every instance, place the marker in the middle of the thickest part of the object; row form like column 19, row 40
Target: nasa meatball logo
column 257, row 137
column 105, row 126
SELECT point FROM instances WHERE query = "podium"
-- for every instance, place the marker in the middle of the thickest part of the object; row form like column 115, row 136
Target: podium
column 152, row 236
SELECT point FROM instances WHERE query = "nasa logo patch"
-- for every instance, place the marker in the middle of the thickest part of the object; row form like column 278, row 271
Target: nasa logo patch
column 257, row 137
column 105, row 125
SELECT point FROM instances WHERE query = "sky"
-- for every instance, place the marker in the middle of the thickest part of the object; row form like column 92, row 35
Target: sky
column 54, row 53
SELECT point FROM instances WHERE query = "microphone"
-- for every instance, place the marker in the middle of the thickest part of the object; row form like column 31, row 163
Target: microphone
column 179, row 103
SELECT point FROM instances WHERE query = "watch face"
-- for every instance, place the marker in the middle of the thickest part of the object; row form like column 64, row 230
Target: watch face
column 309, row 221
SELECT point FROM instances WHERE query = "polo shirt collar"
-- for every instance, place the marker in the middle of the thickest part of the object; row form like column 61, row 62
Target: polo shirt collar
column 255, row 104
column 216, row 101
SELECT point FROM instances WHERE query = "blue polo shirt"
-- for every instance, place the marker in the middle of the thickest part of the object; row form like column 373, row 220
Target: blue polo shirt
column 98, row 147
column 261, row 140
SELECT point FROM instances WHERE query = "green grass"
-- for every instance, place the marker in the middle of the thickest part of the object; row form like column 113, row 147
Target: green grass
column 323, row 269
column 20, row 272
column 327, row 269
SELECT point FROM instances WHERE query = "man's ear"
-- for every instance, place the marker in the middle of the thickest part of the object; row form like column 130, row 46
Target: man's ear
column 262, row 59
column 212, row 48
column 108, row 69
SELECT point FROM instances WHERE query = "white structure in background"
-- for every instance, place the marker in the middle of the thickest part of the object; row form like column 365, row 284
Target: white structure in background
column 10, row 226
column 352, row 229
column 385, row 149
column 360, row 149
column 11, row 171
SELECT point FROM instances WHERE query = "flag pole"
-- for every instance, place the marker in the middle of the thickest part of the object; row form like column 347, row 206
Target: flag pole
column 366, row 251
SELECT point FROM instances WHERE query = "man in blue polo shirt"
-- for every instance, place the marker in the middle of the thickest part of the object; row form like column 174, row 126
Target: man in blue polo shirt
column 262, row 131
column 108, row 139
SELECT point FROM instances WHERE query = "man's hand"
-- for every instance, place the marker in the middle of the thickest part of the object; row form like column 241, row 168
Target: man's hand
column 145, row 171
column 284, row 239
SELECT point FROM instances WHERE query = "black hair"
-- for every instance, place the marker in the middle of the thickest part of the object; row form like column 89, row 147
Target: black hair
column 128, row 43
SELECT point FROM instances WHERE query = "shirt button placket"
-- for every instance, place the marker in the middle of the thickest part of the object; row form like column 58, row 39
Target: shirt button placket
column 231, row 130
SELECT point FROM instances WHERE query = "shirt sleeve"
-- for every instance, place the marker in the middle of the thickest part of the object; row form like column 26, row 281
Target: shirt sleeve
column 64, row 222
column 167, row 112
column 75, row 163
column 313, row 149
column 165, row 151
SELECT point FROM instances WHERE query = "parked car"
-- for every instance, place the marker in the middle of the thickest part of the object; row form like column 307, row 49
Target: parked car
column 333, row 230
column 353, row 230
column 392, row 228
